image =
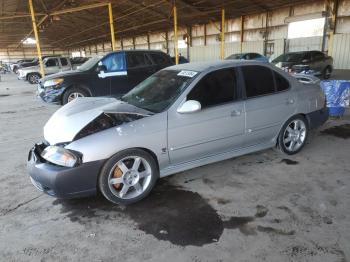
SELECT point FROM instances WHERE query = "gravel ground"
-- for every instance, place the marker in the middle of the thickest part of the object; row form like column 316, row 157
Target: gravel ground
column 261, row 207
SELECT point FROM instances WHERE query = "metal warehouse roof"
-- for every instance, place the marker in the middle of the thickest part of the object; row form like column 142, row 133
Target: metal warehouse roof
column 131, row 18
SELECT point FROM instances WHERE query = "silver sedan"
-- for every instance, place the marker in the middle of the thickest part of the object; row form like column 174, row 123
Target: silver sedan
column 180, row 118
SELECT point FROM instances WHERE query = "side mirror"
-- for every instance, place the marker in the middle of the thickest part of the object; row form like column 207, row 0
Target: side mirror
column 101, row 68
column 189, row 106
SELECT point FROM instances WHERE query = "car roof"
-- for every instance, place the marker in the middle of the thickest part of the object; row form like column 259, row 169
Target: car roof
column 208, row 65
column 138, row 51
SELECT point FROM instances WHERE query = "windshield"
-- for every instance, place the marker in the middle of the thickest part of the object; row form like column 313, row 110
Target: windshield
column 235, row 56
column 291, row 57
column 160, row 90
column 89, row 63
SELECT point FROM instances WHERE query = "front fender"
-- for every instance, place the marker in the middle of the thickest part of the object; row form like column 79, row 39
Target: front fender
column 149, row 133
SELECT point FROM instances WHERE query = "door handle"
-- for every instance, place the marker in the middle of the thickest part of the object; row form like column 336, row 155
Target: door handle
column 289, row 101
column 236, row 113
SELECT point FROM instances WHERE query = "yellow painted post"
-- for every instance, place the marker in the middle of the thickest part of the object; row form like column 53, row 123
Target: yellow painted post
column 42, row 72
column 242, row 32
column 222, row 33
column 110, row 12
column 175, row 36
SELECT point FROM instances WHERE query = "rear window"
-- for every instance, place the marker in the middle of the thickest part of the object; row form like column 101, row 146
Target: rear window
column 258, row 80
column 138, row 60
column 159, row 59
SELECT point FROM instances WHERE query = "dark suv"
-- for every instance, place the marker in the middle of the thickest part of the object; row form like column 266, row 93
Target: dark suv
column 112, row 75
column 309, row 62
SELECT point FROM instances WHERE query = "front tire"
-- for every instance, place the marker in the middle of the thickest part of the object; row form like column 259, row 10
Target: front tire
column 128, row 176
column 73, row 93
column 293, row 135
column 34, row 78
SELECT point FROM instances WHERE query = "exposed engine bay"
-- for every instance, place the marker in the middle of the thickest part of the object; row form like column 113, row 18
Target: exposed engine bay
column 107, row 120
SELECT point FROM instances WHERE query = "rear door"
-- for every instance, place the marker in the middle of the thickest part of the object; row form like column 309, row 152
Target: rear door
column 65, row 65
column 52, row 66
column 217, row 128
column 269, row 103
column 140, row 66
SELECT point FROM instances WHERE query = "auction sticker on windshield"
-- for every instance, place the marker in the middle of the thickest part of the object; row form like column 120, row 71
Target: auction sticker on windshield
column 187, row 73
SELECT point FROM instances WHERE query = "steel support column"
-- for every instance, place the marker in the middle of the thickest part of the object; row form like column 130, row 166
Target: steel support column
column 42, row 72
column 222, row 53
column 176, row 48
column 110, row 12
column 242, row 33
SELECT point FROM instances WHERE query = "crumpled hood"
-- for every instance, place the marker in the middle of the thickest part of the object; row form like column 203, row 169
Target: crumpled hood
column 67, row 122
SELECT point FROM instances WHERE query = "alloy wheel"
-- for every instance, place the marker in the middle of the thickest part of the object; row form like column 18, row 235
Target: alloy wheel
column 74, row 95
column 294, row 135
column 130, row 177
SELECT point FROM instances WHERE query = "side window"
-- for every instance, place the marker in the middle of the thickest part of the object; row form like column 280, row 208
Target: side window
column 159, row 59
column 138, row 59
column 317, row 55
column 258, row 80
column 51, row 62
column 114, row 62
column 281, row 83
column 64, row 62
column 215, row 88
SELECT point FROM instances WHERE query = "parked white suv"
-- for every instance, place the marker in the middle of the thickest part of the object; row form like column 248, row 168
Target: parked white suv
column 52, row 65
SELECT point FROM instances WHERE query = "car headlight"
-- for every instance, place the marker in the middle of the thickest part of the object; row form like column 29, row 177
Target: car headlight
column 53, row 82
column 60, row 156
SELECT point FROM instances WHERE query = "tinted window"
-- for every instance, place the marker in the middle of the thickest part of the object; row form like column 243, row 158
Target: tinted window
column 215, row 88
column 317, row 55
column 138, row 60
column 258, row 80
column 51, row 62
column 64, row 62
column 159, row 59
column 114, row 62
column 281, row 82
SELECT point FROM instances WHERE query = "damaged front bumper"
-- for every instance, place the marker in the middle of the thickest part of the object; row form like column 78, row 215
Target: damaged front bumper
column 50, row 94
column 62, row 182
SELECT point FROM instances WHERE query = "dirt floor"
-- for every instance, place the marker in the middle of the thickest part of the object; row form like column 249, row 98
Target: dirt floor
column 261, row 207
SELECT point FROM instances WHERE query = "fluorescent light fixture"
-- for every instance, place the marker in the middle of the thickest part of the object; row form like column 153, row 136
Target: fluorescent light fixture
column 29, row 41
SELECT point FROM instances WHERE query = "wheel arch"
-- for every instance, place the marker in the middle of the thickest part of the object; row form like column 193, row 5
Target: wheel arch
column 298, row 114
column 83, row 87
column 32, row 73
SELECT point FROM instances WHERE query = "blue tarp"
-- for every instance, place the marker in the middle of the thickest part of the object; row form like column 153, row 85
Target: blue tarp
column 337, row 94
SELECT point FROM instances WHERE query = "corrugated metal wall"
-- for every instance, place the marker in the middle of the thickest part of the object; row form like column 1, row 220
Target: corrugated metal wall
column 305, row 43
column 341, row 51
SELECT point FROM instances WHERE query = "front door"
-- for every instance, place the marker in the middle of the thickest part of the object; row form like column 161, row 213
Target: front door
column 52, row 66
column 217, row 128
column 115, row 76
column 269, row 103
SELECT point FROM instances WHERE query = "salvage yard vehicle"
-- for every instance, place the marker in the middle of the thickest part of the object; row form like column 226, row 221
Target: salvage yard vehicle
column 52, row 65
column 180, row 118
column 112, row 75
column 248, row 56
column 15, row 66
column 308, row 62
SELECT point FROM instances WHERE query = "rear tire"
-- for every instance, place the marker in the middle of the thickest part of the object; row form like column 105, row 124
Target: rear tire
column 128, row 176
column 293, row 135
column 73, row 93
column 34, row 78
column 327, row 72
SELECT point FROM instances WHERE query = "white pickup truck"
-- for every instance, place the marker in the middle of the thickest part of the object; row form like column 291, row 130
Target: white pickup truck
column 52, row 65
